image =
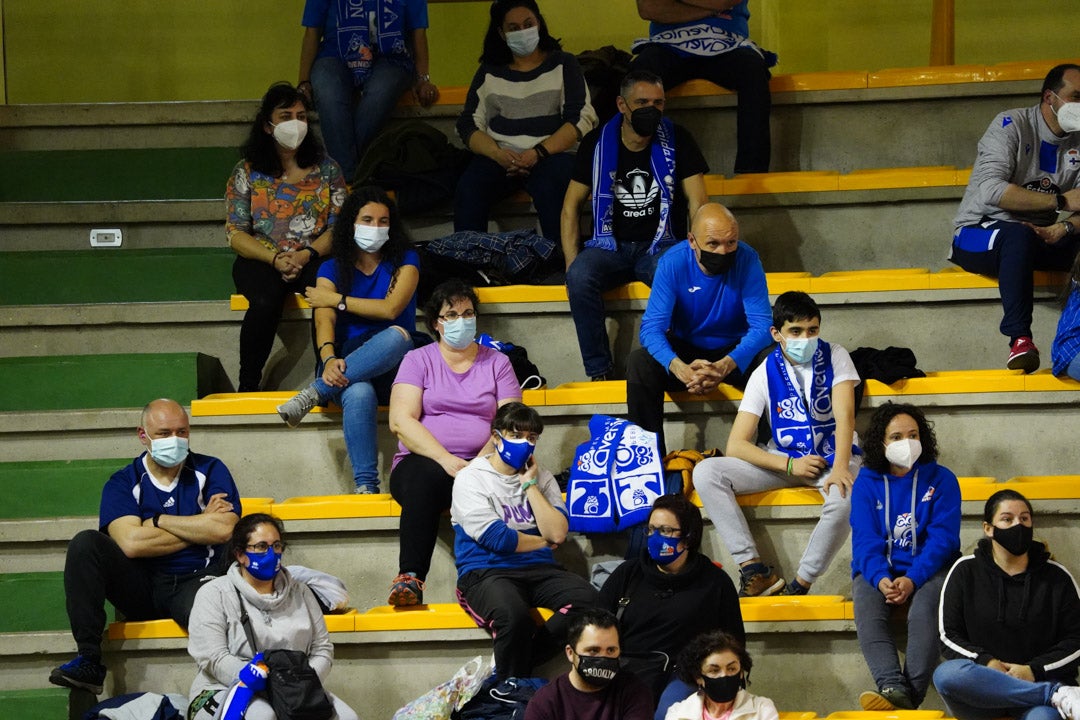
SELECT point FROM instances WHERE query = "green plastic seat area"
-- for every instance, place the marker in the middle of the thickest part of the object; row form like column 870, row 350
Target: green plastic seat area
column 106, row 275
column 76, row 382
column 40, row 704
column 54, row 488
column 116, row 174
column 32, row 602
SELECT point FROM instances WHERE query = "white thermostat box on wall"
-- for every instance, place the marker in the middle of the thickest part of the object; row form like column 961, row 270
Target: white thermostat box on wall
column 111, row 237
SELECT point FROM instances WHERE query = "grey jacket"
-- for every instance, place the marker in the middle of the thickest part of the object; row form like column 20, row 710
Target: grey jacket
column 289, row 618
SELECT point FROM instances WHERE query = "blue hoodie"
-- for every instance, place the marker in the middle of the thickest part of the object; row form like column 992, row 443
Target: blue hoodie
column 881, row 508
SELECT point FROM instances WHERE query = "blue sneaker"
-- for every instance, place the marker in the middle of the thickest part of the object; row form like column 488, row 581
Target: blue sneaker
column 82, row 673
column 367, row 489
column 794, row 588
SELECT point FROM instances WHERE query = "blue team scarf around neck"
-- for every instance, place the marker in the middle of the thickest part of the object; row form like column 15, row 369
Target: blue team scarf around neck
column 796, row 431
column 708, row 38
column 354, row 34
column 605, row 167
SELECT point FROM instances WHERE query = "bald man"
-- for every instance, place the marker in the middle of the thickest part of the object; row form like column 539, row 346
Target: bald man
column 161, row 526
column 707, row 319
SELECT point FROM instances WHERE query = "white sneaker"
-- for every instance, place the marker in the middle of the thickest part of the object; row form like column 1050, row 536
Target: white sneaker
column 1066, row 700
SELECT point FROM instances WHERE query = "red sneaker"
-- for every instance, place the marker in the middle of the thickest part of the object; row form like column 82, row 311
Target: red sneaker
column 1023, row 355
column 407, row 590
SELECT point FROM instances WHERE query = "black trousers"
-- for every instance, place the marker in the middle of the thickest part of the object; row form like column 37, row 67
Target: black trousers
column 424, row 491
column 647, row 381
column 741, row 70
column 265, row 291
column 96, row 570
column 504, row 599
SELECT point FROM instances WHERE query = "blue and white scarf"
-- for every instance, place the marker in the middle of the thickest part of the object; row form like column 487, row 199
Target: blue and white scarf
column 796, row 431
column 703, row 40
column 605, row 167
column 355, row 27
column 615, row 477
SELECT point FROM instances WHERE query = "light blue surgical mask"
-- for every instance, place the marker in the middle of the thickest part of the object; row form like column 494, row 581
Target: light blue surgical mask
column 800, row 350
column 264, row 566
column 459, row 332
column 169, row 451
column 515, row 453
column 523, row 42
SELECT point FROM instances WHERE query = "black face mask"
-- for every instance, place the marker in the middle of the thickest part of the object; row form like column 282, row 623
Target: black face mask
column 645, row 120
column 597, row 670
column 722, row 689
column 1016, row 539
column 717, row 263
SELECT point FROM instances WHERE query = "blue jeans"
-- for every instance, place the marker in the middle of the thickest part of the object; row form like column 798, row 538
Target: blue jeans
column 485, row 182
column 1014, row 254
column 594, row 272
column 879, row 646
column 976, row 692
column 1073, row 370
column 380, row 354
column 349, row 116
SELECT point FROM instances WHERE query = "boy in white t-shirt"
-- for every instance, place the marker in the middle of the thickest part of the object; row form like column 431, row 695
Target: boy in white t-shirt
column 816, row 448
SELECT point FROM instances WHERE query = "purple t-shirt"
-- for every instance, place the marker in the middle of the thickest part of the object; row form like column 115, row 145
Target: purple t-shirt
column 457, row 408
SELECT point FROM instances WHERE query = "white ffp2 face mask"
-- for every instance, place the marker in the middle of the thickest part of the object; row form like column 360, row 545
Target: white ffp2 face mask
column 290, row 134
column 904, row 453
column 1068, row 115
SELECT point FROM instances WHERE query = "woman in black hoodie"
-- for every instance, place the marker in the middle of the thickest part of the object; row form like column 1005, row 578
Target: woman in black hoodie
column 669, row 595
column 1010, row 624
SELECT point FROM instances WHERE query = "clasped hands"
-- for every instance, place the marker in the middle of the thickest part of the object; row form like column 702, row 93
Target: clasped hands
column 516, row 163
column 701, row 376
column 290, row 263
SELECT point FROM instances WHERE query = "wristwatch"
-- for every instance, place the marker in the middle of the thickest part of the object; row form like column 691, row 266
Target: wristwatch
column 314, row 253
column 341, row 305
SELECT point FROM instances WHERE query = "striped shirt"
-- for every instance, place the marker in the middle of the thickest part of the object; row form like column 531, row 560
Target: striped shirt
column 520, row 109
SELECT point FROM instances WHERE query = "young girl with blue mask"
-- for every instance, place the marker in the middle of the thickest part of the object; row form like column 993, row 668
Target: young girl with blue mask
column 508, row 515
column 668, row 595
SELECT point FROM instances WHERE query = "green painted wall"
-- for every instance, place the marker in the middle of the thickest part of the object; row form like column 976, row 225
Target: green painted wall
column 134, row 50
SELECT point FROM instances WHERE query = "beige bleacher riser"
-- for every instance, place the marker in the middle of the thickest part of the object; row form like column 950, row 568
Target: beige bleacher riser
column 994, row 434
column 823, row 130
column 546, row 330
column 809, row 231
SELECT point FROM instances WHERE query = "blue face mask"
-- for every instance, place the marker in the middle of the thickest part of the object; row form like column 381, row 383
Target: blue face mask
column 264, row 566
column 664, row 550
column 169, row 451
column 515, row 453
column 800, row 350
column 459, row 333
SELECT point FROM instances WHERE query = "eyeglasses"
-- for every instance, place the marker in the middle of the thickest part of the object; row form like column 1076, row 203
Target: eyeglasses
column 261, row 547
column 665, row 530
column 452, row 316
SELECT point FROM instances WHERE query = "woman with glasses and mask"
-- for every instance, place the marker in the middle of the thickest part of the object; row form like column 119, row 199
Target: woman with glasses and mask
column 364, row 304
column 443, row 401
column 282, row 200
column 671, row 593
column 282, row 614
column 1009, row 624
column 717, row 665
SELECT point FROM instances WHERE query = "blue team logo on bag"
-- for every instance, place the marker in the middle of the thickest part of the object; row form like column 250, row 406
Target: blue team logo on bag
column 615, row 477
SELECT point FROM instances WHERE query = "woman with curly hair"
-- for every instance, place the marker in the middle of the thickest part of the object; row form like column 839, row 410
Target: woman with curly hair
column 282, row 199
column 365, row 321
column 905, row 533
column 718, row 665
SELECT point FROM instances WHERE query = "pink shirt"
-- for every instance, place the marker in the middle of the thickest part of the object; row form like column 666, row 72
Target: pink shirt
column 457, row 408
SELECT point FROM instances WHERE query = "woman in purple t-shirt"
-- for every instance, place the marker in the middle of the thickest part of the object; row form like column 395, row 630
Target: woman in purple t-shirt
column 441, row 407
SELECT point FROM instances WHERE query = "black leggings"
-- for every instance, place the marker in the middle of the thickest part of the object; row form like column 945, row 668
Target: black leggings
column 424, row 490
column 265, row 291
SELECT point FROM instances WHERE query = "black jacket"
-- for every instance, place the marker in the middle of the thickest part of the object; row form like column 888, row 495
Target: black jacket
column 1032, row 618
